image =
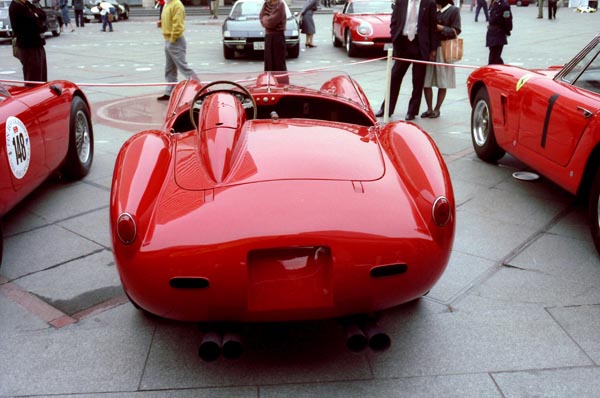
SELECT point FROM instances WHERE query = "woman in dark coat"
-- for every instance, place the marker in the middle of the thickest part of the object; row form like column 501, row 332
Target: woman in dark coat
column 308, row 23
column 498, row 30
column 442, row 77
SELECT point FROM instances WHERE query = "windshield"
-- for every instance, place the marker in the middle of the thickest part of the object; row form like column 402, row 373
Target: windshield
column 370, row 7
column 250, row 9
column 585, row 72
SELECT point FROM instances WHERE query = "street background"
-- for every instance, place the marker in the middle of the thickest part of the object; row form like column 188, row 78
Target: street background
column 516, row 314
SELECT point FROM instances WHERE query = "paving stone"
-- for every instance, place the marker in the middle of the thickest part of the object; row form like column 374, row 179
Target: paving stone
column 42, row 249
column 582, row 323
column 473, row 336
column 100, row 354
column 15, row 319
column 552, row 383
column 93, row 226
column 77, row 285
column 458, row 386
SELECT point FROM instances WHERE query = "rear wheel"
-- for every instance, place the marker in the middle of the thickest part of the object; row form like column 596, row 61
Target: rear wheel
column 594, row 210
column 482, row 129
column 81, row 141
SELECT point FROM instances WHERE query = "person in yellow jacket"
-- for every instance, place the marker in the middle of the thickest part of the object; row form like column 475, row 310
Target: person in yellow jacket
column 172, row 22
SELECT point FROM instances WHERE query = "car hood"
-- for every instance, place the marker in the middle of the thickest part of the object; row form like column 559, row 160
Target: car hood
column 375, row 19
column 266, row 150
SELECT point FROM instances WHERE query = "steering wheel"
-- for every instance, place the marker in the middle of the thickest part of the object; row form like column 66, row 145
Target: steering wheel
column 242, row 94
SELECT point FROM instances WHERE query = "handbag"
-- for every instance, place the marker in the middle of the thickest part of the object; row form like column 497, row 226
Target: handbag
column 452, row 49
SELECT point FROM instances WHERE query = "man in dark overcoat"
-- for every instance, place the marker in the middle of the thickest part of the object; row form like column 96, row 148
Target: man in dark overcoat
column 419, row 45
column 499, row 29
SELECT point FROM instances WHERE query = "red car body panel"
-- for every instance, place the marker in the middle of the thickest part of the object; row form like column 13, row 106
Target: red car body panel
column 542, row 119
column 357, row 12
column 44, row 111
column 279, row 218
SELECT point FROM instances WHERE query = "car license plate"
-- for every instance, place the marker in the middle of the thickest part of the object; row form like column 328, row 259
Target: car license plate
column 259, row 45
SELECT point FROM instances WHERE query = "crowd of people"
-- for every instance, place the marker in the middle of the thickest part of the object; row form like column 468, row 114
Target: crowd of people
column 418, row 28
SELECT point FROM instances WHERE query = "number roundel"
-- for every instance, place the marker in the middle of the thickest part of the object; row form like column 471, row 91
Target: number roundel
column 18, row 148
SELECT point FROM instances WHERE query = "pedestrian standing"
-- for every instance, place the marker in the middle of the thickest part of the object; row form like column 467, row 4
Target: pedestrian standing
column 552, row 7
column 273, row 19
column 64, row 13
column 106, row 15
column 28, row 25
column 499, row 29
column 413, row 29
column 78, row 10
column 173, row 26
column 214, row 8
column 441, row 76
column 308, row 22
column 482, row 4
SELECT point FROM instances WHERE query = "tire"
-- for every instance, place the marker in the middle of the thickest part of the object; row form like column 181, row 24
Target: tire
column 482, row 129
column 350, row 47
column 56, row 33
column 81, row 141
column 228, row 53
column 334, row 40
column 294, row 52
column 594, row 210
column 126, row 13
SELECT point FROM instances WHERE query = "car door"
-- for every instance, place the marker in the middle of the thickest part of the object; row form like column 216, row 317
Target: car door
column 22, row 153
column 552, row 120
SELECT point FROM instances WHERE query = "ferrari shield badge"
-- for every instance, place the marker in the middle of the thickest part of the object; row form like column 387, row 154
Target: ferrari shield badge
column 523, row 80
column 18, row 148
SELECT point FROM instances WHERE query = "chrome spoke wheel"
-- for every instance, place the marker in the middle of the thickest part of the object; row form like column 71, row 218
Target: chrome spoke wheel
column 82, row 136
column 481, row 123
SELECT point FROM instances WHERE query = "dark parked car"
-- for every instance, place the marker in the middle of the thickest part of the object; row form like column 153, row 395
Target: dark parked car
column 53, row 18
column 242, row 31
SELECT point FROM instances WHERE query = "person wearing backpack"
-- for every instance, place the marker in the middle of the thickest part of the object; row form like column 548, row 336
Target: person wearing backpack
column 499, row 28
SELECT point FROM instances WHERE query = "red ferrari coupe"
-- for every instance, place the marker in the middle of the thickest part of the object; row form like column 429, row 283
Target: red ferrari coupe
column 549, row 119
column 363, row 25
column 278, row 198
column 47, row 128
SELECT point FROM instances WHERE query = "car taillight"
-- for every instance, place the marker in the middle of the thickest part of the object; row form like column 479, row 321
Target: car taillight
column 126, row 230
column 442, row 213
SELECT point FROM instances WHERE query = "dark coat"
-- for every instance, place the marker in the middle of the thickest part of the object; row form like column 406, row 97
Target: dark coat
column 426, row 25
column 450, row 19
column 308, row 23
column 28, row 24
column 500, row 24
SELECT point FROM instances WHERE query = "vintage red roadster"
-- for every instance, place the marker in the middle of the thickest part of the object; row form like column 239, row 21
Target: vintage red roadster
column 363, row 25
column 274, row 197
column 47, row 128
column 549, row 119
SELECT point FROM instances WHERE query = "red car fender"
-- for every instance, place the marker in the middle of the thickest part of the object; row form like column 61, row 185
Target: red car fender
column 420, row 165
column 586, row 155
column 139, row 175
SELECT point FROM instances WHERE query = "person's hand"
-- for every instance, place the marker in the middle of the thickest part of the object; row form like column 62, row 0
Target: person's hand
column 432, row 55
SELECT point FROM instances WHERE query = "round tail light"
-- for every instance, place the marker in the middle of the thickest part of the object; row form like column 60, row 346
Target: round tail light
column 126, row 229
column 442, row 212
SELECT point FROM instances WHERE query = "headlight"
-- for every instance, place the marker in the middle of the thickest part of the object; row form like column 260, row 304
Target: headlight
column 364, row 29
column 226, row 33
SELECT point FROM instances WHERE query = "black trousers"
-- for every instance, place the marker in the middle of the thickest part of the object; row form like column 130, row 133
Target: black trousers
column 552, row 6
column 79, row 18
column 34, row 64
column 275, row 52
column 404, row 48
column 496, row 55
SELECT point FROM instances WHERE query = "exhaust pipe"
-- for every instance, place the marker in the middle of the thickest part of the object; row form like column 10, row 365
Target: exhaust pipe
column 356, row 340
column 232, row 345
column 210, row 346
column 378, row 339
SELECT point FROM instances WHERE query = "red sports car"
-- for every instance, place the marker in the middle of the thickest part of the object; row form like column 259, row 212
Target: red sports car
column 363, row 25
column 549, row 119
column 264, row 200
column 47, row 128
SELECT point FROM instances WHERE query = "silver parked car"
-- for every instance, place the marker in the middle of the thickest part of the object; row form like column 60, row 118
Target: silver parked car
column 243, row 32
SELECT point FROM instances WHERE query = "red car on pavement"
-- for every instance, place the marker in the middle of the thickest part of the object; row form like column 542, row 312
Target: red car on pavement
column 46, row 128
column 547, row 118
column 274, row 198
column 363, row 25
